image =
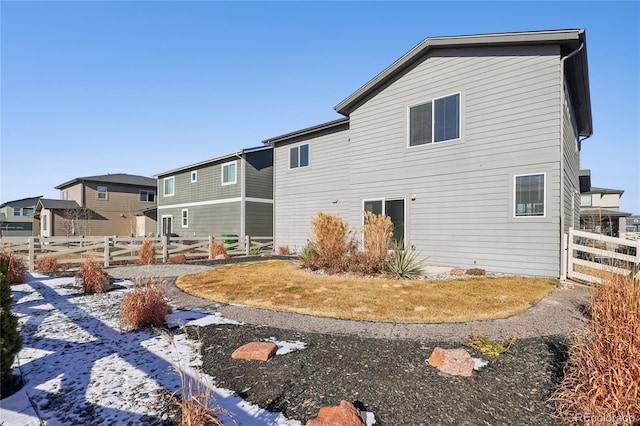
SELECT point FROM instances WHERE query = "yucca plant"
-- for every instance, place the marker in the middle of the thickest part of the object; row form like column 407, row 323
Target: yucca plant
column 405, row 262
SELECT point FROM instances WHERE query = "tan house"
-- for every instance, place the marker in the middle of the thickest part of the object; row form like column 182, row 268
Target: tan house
column 112, row 204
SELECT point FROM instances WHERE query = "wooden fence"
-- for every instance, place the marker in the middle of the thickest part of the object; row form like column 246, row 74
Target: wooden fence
column 72, row 250
column 591, row 257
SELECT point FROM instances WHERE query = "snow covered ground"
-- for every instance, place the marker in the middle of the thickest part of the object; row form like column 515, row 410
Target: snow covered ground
column 82, row 367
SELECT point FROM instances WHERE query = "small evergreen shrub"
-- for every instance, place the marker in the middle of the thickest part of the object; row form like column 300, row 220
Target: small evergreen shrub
column 218, row 249
column 10, row 339
column 147, row 253
column 404, row 263
column 94, row 278
column 16, row 271
column 46, row 264
column 145, row 306
column 476, row 271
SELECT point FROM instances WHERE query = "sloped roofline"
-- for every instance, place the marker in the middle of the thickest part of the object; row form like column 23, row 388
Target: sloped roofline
column 213, row 160
column 120, row 178
column 569, row 40
column 20, row 200
column 308, row 131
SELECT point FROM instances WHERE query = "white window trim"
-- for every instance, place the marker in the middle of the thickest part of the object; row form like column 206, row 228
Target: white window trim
column 289, row 156
column 194, row 176
column 164, row 186
column 384, row 199
column 106, row 192
column 544, row 195
column 183, row 222
column 235, row 173
column 148, row 191
column 433, row 121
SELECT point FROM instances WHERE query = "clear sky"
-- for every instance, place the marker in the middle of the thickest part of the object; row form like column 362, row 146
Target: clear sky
column 90, row 88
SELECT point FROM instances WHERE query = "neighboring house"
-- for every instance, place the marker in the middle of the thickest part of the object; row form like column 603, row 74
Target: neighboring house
column 112, row 204
column 471, row 144
column 16, row 217
column 231, row 194
column 600, row 211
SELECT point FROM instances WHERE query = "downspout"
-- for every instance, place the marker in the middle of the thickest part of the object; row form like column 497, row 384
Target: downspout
column 243, row 196
column 563, row 268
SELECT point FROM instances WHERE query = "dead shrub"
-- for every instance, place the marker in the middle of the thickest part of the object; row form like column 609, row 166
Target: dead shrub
column 16, row 271
column 46, row 264
column 284, row 251
column 602, row 374
column 145, row 305
column 479, row 272
column 94, row 278
column 147, row 253
column 218, row 249
column 378, row 234
column 331, row 242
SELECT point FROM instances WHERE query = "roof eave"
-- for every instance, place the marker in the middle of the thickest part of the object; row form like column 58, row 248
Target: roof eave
column 307, row 131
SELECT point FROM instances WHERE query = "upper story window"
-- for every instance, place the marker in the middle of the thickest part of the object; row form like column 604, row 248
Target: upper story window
column 169, row 186
column 529, row 195
column 147, row 196
column 299, row 156
column 229, row 173
column 27, row 211
column 17, row 211
column 64, row 195
column 435, row 121
column 194, row 176
column 585, row 200
column 102, row 193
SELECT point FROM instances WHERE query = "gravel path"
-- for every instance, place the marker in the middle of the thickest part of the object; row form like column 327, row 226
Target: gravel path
column 382, row 367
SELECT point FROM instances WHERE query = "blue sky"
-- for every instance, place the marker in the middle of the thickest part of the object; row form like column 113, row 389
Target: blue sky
column 89, row 88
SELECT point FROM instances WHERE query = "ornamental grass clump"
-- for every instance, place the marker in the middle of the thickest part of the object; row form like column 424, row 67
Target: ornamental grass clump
column 145, row 306
column 377, row 234
column 46, row 264
column 16, row 270
column 601, row 381
column 331, row 243
column 218, row 249
column 147, row 253
column 94, row 278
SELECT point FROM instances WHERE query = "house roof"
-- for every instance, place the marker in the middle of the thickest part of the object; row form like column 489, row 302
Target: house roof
column 31, row 201
column 597, row 212
column 120, row 178
column 596, row 190
column 215, row 159
column 569, row 41
column 309, row 131
column 51, row 204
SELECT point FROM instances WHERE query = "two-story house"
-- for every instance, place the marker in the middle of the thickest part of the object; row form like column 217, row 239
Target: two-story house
column 16, row 217
column 600, row 211
column 112, row 204
column 231, row 194
column 471, row 144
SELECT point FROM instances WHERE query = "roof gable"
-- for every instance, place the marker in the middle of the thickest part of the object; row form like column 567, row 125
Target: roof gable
column 119, row 178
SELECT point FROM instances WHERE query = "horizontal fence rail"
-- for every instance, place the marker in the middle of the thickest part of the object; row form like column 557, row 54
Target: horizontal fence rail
column 591, row 257
column 114, row 249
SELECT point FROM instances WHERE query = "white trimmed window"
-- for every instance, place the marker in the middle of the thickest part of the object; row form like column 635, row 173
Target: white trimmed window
column 168, row 184
column 529, row 195
column 434, row 121
column 299, row 156
column 102, row 193
column 185, row 218
column 64, row 195
column 229, row 173
column 585, row 200
column 194, row 176
column 147, row 196
column 17, row 211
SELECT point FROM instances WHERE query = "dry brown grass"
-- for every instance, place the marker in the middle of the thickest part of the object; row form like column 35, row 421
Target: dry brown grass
column 46, row 264
column 602, row 374
column 284, row 251
column 94, row 278
column 282, row 285
column 147, row 253
column 217, row 248
column 145, row 306
column 378, row 232
column 16, row 270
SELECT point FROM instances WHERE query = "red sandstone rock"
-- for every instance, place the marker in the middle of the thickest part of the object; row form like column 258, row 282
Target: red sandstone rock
column 179, row 258
column 457, row 362
column 221, row 257
column 437, row 357
column 456, row 271
column 345, row 414
column 260, row 351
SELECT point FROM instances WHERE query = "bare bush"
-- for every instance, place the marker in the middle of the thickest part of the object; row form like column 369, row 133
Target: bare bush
column 217, row 249
column 94, row 278
column 16, row 270
column 147, row 253
column 284, row 251
column 46, row 264
column 145, row 305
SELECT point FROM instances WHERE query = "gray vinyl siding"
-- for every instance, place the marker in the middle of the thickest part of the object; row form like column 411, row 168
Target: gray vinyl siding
column 510, row 124
column 205, row 220
column 259, row 219
column 303, row 192
column 571, row 169
column 259, row 182
column 208, row 186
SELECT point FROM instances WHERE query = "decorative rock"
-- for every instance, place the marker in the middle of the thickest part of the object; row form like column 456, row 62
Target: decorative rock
column 345, row 414
column 221, row 257
column 179, row 258
column 260, row 351
column 456, row 362
column 456, row 271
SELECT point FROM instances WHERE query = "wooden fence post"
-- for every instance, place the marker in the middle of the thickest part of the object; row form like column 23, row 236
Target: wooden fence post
column 210, row 244
column 165, row 248
column 106, row 252
column 32, row 254
column 247, row 244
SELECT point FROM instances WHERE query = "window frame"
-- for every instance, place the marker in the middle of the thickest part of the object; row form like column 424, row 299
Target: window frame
column 184, row 218
column 233, row 163
column 298, row 156
column 384, row 200
column 194, row 176
column 28, row 211
column 514, row 210
column 582, row 197
column 17, row 209
column 432, row 101
column 105, row 192
column 146, row 200
column 173, row 186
